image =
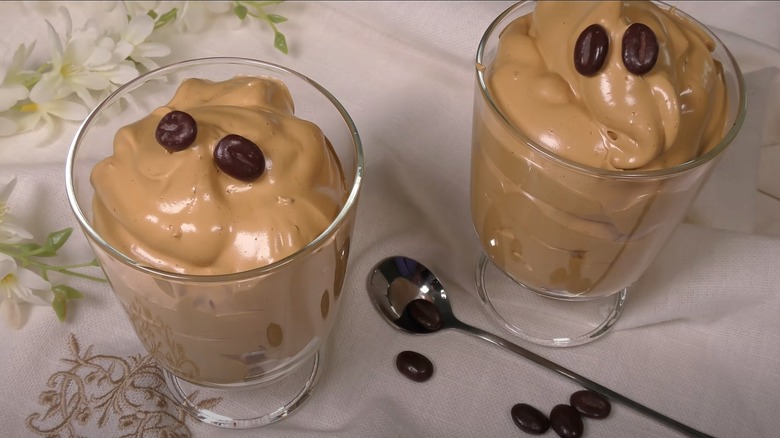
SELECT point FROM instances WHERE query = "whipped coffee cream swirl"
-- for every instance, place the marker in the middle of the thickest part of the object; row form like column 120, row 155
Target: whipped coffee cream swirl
column 613, row 119
column 178, row 212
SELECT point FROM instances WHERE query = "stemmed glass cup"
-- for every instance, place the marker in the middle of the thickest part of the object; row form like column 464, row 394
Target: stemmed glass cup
column 563, row 242
column 256, row 338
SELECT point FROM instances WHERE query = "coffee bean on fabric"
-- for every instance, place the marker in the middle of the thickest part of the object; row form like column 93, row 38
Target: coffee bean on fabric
column 529, row 419
column 414, row 366
column 566, row 421
column 590, row 404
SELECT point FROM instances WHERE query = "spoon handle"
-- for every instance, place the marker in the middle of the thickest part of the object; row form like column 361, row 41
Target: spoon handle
column 583, row 381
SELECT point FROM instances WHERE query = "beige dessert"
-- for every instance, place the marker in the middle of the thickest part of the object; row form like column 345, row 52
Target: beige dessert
column 178, row 208
column 178, row 212
column 586, row 219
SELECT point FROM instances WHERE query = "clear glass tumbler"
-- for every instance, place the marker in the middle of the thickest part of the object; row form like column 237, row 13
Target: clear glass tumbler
column 562, row 242
column 229, row 333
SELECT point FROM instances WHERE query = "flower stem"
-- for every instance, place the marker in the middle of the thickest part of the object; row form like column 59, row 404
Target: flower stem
column 67, row 270
column 26, row 261
column 80, row 275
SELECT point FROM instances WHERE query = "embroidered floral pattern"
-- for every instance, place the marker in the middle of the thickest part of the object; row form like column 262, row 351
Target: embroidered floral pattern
column 126, row 395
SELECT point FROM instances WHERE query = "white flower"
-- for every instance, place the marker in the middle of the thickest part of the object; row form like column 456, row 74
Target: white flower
column 30, row 114
column 118, row 71
column 134, row 8
column 9, row 232
column 72, row 67
column 12, row 88
column 109, row 56
column 133, row 39
column 194, row 16
column 19, row 285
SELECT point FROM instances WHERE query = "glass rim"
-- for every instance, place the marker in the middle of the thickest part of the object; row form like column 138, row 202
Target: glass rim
column 715, row 151
column 316, row 243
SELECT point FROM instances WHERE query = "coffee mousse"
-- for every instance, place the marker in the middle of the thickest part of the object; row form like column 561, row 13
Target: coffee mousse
column 224, row 179
column 608, row 94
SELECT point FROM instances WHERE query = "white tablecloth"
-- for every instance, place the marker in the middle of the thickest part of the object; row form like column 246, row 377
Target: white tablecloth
column 699, row 341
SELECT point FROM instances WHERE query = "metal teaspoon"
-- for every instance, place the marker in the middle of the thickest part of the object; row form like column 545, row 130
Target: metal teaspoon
column 398, row 281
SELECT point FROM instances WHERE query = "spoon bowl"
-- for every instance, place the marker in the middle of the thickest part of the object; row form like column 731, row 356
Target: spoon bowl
column 398, row 282
column 412, row 299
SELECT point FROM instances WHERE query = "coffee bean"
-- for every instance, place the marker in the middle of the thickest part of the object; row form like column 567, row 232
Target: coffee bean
column 176, row 131
column 414, row 365
column 640, row 48
column 239, row 158
column 590, row 50
column 590, row 404
column 566, row 421
column 425, row 313
column 529, row 419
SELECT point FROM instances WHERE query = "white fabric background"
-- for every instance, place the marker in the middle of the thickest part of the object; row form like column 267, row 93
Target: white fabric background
column 700, row 340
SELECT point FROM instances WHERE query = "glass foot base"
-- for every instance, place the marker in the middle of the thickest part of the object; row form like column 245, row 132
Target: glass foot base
column 251, row 406
column 543, row 320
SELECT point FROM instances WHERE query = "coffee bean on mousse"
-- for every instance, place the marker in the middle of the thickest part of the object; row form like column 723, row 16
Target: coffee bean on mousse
column 239, row 158
column 529, row 419
column 590, row 50
column 566, row 421
column 414, row 366
column 640, row 48
column 590, row 404
column 176, row 131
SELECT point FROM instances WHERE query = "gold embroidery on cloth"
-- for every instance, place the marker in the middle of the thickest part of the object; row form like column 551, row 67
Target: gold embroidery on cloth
column 128, row 396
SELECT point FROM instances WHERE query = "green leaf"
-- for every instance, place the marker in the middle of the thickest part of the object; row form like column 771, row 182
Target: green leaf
column 240, row 11
column 275, row 18
column 280, row 42
column 67, row 292
column 55, row 240
column 150, row 13
column 60, row 306
column 166, row 18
